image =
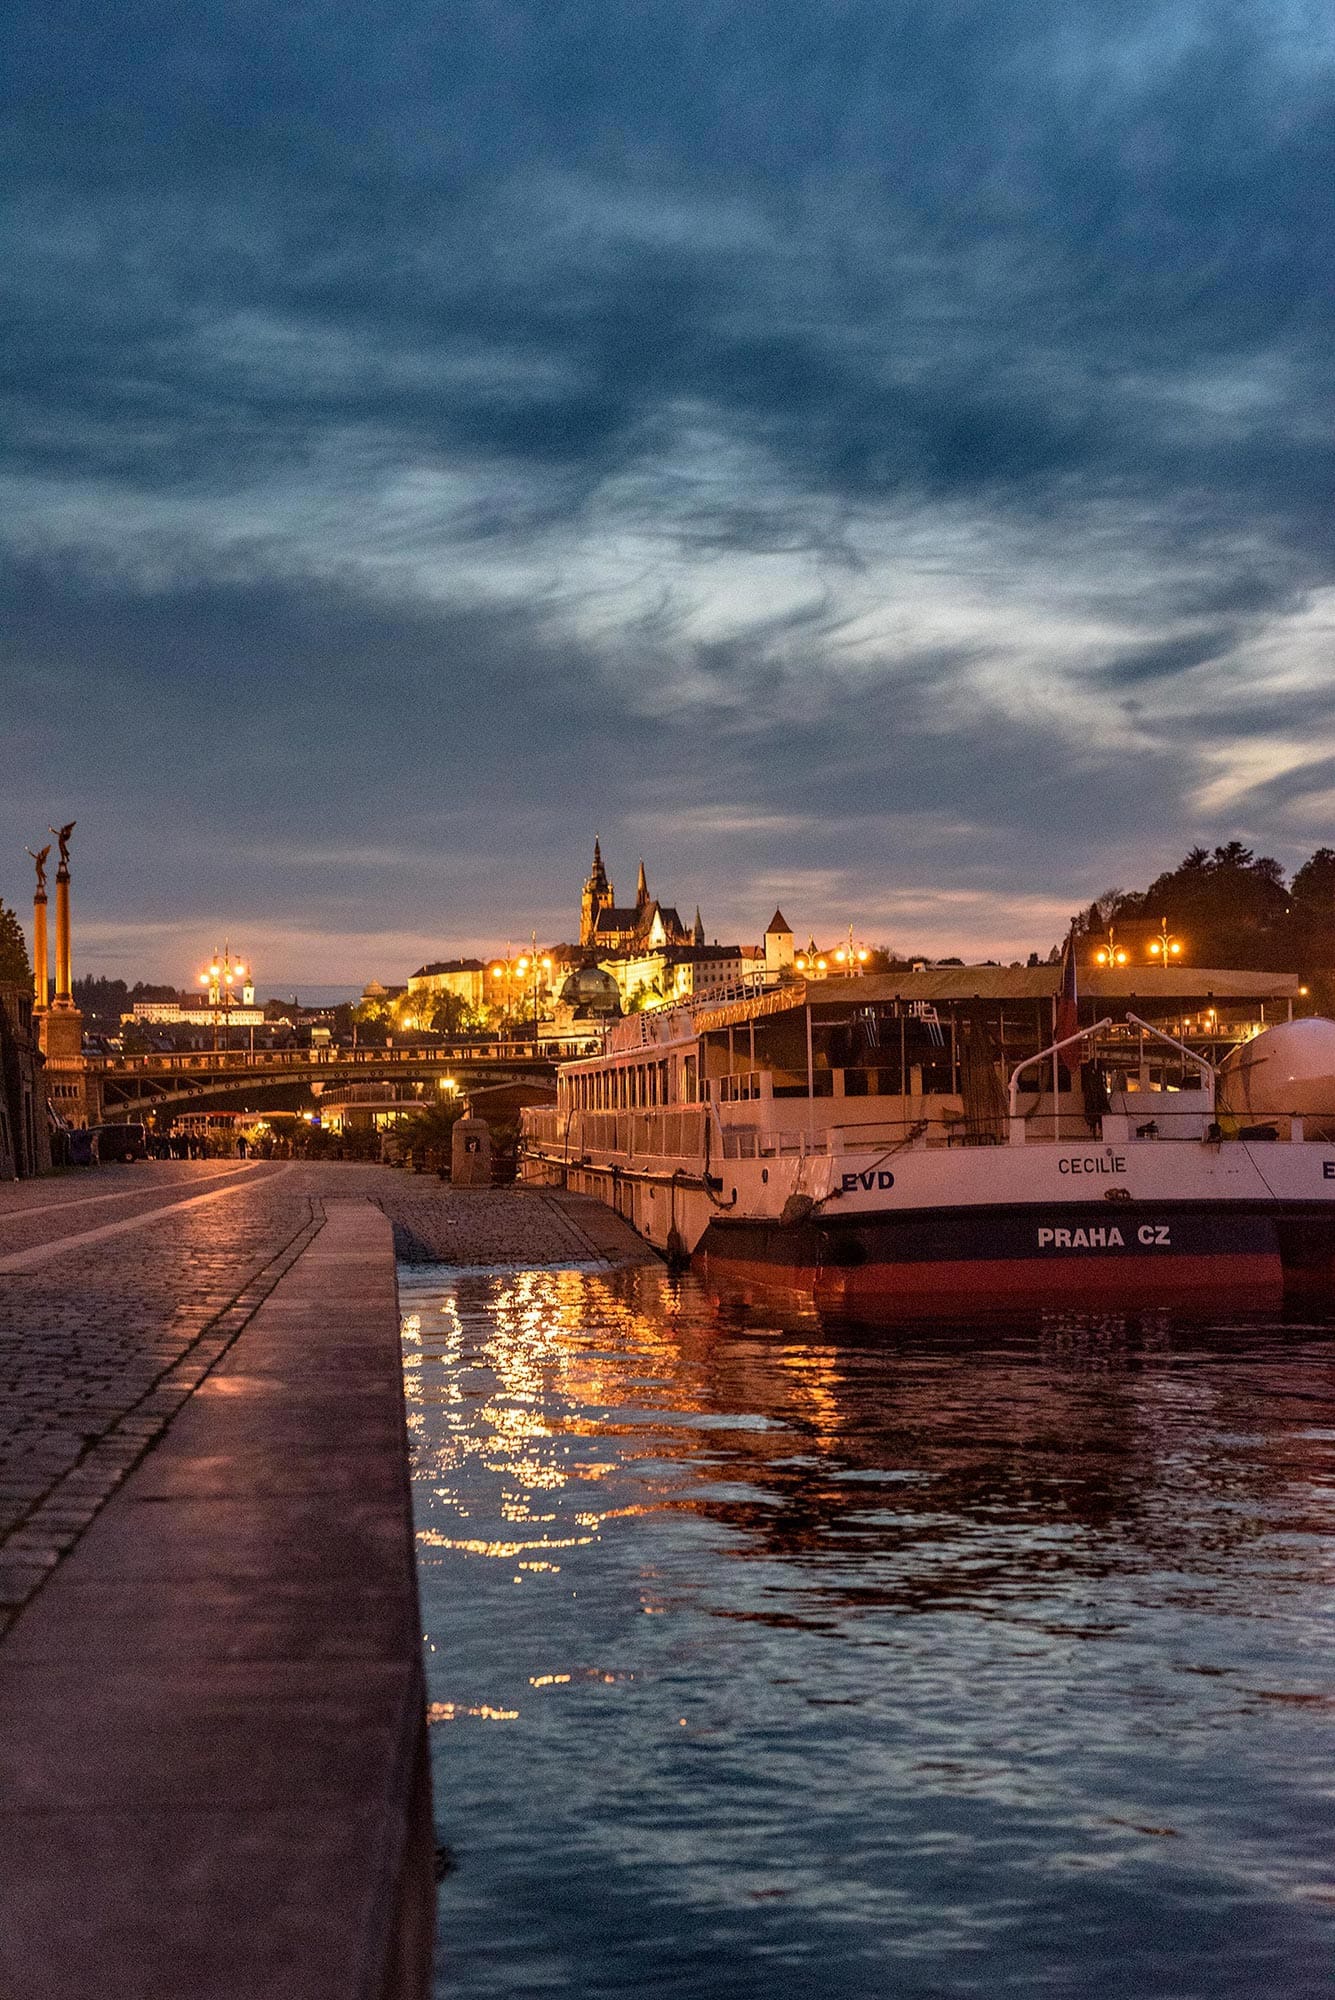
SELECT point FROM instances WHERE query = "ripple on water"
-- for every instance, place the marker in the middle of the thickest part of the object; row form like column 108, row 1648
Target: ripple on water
column 784, row 1657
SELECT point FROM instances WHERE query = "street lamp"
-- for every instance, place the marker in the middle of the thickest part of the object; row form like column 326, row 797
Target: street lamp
column 853, row 958
column 224, row 974
column 1165, row 947
column 501, row 993
column 510, row 971
column 1111, row 953
column 538, row 966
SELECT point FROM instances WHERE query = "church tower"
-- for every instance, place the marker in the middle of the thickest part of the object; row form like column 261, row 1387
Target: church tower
column 779, row 946
column 642, row 888
column 598, row 895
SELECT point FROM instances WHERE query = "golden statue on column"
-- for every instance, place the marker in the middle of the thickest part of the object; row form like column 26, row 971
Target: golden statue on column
column 40, row 983
column 61, row 1023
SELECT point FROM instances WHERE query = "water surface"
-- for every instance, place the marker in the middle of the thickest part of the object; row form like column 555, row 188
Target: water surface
column 768, row 1656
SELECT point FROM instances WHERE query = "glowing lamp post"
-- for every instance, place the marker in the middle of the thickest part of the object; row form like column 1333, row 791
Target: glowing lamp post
column 1165, row 947
column 1111, row 953
column 851, row 958
column 532, row 964
column 223, row 976
column 502, row 973
column 516, row 972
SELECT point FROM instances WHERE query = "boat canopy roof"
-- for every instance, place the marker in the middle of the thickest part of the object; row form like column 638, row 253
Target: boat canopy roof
column 1039, row 982
column 959, row 984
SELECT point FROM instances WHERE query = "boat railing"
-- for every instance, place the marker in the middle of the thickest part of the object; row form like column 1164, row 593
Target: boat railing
column 1153, row 1119
column 571, row 1138
column 678, row 1132
column 1019, row 1123
column 1207, row 1068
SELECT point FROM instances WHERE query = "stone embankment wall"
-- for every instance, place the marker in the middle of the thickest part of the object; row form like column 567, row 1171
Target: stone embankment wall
column 517, row 1225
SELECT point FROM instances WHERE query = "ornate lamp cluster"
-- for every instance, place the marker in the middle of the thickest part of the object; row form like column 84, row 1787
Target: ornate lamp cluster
column 223, row 976
column 1166, row 947
column 510, row 973
column 846, row 960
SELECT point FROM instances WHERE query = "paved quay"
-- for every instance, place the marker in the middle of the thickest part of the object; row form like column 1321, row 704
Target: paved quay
column 213, row 1777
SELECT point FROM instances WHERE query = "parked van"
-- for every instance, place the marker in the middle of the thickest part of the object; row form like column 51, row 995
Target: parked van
column 121, row 1142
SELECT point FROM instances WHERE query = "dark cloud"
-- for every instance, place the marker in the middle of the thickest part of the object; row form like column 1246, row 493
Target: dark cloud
column 1166, row 658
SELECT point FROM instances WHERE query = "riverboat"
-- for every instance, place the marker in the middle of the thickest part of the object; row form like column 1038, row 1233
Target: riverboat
column 929, row 1142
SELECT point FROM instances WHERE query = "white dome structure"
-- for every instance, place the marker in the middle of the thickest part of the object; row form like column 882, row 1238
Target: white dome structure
column 1285, row 1071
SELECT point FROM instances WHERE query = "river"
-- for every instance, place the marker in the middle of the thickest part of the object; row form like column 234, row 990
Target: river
column 771, row 1657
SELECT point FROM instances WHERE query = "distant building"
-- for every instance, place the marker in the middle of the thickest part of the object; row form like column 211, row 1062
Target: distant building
column 779, row 954
column 671, row 973
column 464, row 978
column 609, row 927
column 375, row 995
column 195, row 1011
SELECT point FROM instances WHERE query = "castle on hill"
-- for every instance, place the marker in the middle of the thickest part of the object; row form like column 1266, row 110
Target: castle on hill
column 658, row 960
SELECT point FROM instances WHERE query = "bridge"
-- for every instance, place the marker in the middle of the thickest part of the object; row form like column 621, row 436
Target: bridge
column 130, row 1085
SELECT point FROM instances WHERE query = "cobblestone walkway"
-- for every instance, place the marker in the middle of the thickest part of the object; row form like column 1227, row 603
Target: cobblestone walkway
column 102, row 1342
column 112, row 1313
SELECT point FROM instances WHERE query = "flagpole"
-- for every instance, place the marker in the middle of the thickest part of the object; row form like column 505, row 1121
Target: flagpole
column 1065, row 1020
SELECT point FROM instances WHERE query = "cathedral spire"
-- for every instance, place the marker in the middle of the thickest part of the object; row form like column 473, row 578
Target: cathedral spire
column 698, row 935
column 598, row 895
column 642, row 888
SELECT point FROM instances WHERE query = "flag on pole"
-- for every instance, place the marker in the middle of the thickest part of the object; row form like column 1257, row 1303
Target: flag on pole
column 1068, row 1010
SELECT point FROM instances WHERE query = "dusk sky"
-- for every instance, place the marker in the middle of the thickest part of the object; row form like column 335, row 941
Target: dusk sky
column 871, row 457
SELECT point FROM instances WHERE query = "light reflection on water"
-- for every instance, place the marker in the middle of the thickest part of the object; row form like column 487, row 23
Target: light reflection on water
column 771, row 1657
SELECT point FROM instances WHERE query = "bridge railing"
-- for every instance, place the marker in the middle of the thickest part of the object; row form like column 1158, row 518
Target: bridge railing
column 223, row 1061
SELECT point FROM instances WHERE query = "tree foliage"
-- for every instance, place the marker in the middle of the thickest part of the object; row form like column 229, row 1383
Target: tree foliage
column 433, row 1125
column 1230, row 906
column 103, row 1001
column 14, row 962
column 451, row 1015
